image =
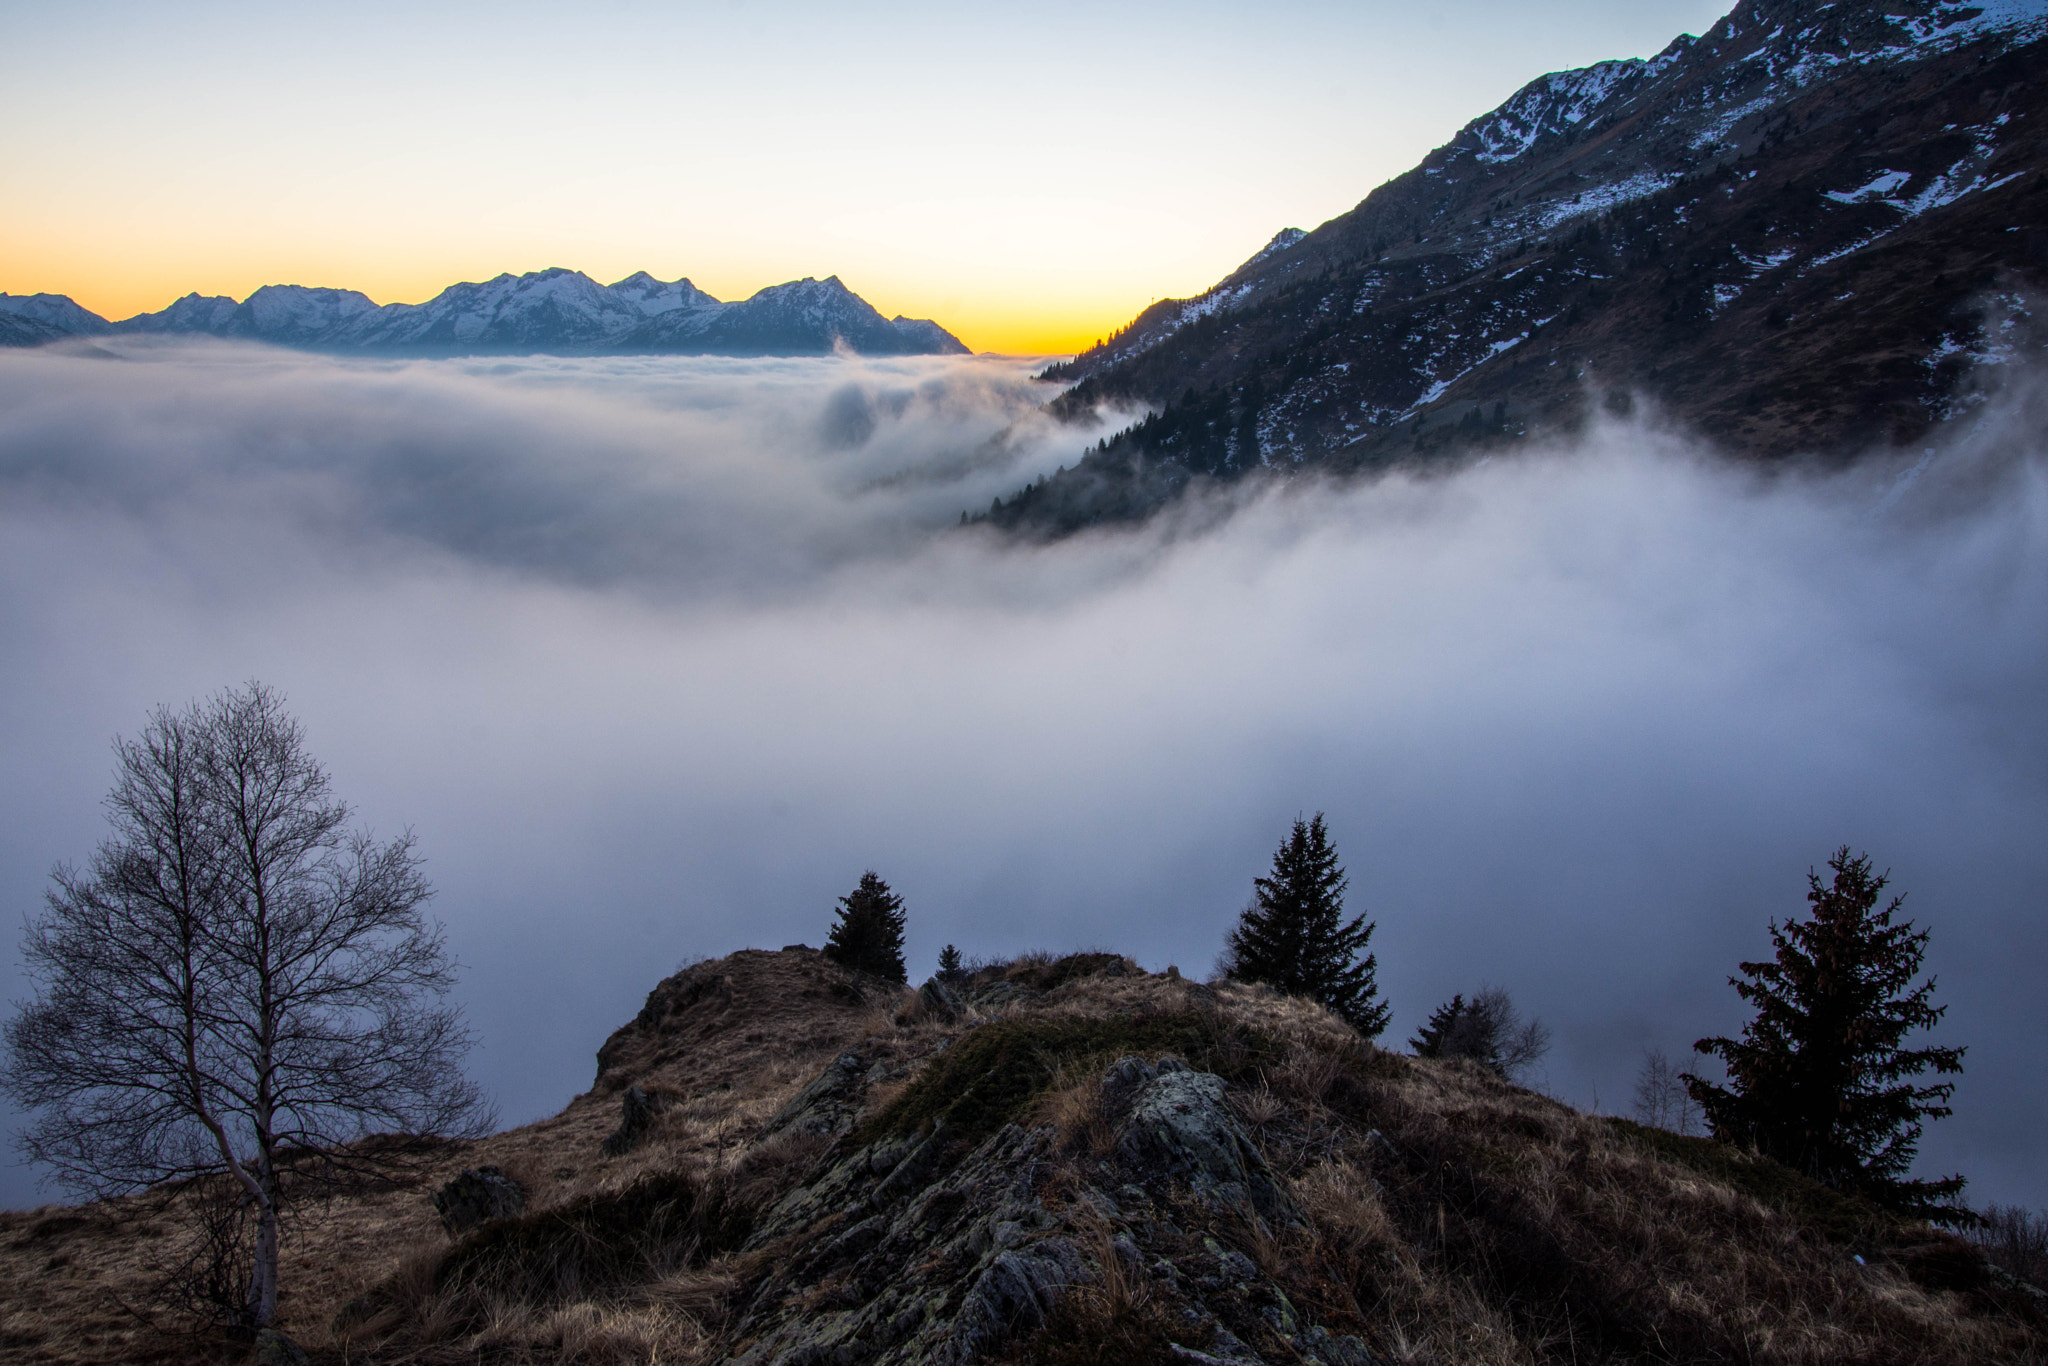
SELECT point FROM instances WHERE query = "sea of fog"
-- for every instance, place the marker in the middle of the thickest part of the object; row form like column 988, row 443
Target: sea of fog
column 657, row 655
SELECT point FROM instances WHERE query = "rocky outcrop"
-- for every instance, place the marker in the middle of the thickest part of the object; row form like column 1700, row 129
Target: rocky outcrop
column 905, row 1249
column 830, row 1103
column 479, row 1194
column 706, row 1027
column 941, row 1002
column 1179, row 1130
column 638, row 1109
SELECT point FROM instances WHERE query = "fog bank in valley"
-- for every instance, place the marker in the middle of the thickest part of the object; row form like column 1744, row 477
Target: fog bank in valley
column 656, row 656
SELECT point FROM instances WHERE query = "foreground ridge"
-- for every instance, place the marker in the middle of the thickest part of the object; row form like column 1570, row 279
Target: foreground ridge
column 1058, row 1160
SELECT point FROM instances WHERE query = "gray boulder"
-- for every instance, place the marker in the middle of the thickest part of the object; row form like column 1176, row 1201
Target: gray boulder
column 1179, row 1130
column 479, row 1194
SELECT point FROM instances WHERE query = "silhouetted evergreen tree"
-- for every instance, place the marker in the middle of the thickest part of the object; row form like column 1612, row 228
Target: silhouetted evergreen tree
column 1487, row 1029
column 1294, row 935
column 950, row 967
column 1818, row 1079
column 1438, row 1031
column 869, row 935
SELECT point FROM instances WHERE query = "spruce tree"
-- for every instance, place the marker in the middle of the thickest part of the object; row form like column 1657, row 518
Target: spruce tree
column 951, row 969
column 1438, row 1035
column 1486, row 1029
column 869, row 935
column 1294, row 935
column 1819, row 1079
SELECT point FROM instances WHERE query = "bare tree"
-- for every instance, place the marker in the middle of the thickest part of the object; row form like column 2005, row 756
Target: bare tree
column 237, row 979
column 1661, row 1098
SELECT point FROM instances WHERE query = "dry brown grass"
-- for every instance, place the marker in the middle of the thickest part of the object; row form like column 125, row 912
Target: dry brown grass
column 1495, row 1225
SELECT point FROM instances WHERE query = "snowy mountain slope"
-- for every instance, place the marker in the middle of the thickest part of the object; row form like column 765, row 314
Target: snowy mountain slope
column 1786, row 231
column 803, row 316
column 200, row 313
column 549, row 311
column 653, row 296
column 49, row 312
column 545, row 310
column 293, row 315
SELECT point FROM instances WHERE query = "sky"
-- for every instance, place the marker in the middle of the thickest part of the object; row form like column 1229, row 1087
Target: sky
column 656, row 655
column 1031, row 176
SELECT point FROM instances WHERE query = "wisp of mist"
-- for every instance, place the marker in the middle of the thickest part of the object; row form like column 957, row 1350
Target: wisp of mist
column 657, row 655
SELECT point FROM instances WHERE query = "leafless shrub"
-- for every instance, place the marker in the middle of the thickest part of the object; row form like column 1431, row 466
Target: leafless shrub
column 1661, row 1099
column 2015, row 1239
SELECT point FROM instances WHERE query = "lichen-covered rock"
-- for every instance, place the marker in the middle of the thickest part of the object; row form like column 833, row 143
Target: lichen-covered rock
column 477, row 1195
column 830, row 1103
column 1014, row 1294
column 941, row 1002
column 1177, row 1128
column 888, row 1261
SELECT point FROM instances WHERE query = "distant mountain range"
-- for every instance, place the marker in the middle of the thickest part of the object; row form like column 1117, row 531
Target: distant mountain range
column 1801, row 234
column 559, row 312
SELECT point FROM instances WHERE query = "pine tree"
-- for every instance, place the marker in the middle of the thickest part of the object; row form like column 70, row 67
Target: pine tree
column 1294, row 936
column 1440, row 1031
column 1818, row 1079
column 869, row 935
column 950, row 967
column 1486, row 1029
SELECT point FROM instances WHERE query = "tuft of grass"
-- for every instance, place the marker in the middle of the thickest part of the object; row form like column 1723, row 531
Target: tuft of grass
column 597, row 1243
column 1115, row 1320
column 1848, row 1220
column 994, row 1074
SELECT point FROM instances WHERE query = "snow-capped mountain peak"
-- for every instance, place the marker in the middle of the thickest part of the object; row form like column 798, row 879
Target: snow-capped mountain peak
column 557, row 310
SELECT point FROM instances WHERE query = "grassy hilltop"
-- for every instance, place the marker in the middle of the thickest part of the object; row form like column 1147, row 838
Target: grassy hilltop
column 1056, row 1161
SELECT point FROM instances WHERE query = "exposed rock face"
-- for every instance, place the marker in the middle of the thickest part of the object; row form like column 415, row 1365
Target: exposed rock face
column 905, row 1250
column 941, row 1002
column 830, row 1103
column 479, row 1194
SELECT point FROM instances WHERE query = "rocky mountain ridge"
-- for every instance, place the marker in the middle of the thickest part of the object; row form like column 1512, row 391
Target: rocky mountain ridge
column 1807, row 232
column 556, row 311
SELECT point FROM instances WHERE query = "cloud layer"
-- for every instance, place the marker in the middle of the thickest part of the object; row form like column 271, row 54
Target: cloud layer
column 657, row 656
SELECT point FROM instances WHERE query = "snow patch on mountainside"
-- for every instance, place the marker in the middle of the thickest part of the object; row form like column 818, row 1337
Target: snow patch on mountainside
column 1548, row 104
